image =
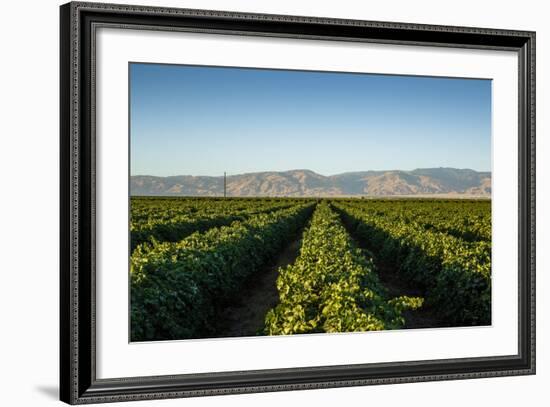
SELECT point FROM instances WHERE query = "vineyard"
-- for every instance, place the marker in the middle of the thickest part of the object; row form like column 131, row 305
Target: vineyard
column 198, row 264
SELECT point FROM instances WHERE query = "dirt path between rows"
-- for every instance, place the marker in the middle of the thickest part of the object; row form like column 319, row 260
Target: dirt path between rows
column 423, row 317
column 246, row 317
column 394, row 284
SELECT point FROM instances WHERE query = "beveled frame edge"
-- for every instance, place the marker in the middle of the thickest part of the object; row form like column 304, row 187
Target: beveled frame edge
column 78, row 383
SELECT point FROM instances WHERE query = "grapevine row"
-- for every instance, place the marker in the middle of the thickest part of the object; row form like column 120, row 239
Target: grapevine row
column 456, row 274
column 177, row 288
column 181, row 226
column 147, row 209
column 332, row 286
column 468, row 220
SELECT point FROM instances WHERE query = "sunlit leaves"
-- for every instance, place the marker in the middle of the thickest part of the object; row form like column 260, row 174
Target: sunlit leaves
column 332, row 286
column 442, row 246
column 178, row 287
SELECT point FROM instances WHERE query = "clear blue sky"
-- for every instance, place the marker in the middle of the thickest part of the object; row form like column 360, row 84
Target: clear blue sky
column 189, row 120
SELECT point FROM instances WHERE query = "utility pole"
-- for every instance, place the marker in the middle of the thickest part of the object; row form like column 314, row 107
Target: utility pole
column 224, row 185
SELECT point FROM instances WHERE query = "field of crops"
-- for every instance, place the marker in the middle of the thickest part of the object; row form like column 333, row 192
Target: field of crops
column 192, row 259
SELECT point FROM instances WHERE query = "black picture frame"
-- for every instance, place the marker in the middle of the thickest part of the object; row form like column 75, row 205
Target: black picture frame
column 78, row 382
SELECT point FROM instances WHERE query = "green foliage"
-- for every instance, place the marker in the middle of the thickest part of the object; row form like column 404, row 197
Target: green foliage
column 191, row 256
column 415, row 236
column 172, row 219
column 177, row 288
column 332, row 286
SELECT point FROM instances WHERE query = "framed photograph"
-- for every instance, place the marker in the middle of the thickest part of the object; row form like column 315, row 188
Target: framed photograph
column 255, row 203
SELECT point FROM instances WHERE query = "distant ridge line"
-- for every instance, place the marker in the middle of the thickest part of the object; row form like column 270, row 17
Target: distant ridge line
column 307, row 183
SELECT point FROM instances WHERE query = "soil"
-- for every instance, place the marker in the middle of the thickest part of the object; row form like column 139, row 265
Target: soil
column 424, row 317
column 246, row 317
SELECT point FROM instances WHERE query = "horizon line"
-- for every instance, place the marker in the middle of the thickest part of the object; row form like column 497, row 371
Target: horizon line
column 305, row 169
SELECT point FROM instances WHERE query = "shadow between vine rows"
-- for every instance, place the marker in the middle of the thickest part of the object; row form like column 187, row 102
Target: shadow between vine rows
column 246, row 316
column 424, row 317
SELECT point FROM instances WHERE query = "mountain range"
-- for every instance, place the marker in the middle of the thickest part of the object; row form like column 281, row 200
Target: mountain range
column 306, row 183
